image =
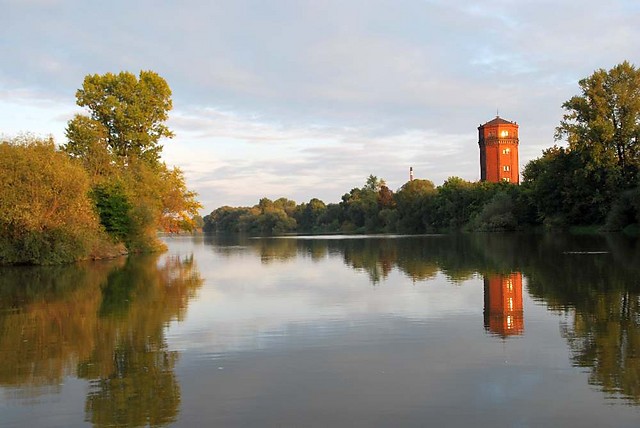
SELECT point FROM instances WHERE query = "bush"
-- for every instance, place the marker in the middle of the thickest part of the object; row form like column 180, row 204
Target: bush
column 46, row 216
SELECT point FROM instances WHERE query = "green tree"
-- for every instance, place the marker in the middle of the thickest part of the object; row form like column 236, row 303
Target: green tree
column 373, row 184
column 308, row 214
column 118, row 143
column 88, row 142
column 412, row 200
column 603, row 123
column 113, row 208
column 129, row 113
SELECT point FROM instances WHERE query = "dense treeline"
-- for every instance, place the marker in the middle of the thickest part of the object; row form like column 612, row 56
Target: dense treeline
column 417, row 207
column 594, row 180
column 105, row 191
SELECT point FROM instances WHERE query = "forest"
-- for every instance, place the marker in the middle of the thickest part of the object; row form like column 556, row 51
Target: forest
column 591, row 181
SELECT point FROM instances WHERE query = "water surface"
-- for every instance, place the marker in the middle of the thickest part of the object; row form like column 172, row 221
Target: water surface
column 504, row 330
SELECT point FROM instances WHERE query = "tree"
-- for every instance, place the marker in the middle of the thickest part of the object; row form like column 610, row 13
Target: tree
column 411, row 200
column 373, row 184
column 127, row 112
column 88, row 142
column 603, row 123
column 308, row 214
column 179, row 204
column 46, row 215
column 118, row 144
column 563, row 191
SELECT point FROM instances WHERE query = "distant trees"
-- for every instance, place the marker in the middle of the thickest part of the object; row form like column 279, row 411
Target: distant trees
column 417, row 207
column 413, row 202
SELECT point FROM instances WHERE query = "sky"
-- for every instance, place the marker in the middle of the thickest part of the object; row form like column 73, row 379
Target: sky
column 304, row 99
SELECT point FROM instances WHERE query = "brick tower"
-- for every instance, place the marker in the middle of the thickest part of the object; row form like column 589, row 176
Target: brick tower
column 498, row 141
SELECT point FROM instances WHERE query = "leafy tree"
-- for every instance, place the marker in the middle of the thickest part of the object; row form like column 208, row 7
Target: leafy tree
column 224, row 219
column 497, row 215
column 563, row 191
column 88, row 142
column 179, row 204
column 308, row 215
column 373, row 184
column 198, row 222
column 46, row 215
column 386, row 198
column 113, row 208
column 118, row 142
column 603, row 123
column 286, row 205
column 411, row 201
column 127, row 112
column 332, row 218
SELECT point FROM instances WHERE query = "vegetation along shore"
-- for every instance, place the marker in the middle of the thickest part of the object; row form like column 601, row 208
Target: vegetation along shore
column 592, row 182
column 106, row 191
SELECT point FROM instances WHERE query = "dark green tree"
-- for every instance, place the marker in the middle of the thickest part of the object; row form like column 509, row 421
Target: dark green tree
column 603, row 123
column 412, row 200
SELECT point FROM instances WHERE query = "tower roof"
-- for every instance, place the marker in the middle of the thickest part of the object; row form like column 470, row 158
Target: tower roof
column 499, row 121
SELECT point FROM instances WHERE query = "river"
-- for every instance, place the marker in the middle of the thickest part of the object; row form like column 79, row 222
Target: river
column 440, row 330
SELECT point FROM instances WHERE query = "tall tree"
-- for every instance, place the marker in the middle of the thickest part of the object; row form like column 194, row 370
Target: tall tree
column 118, row 143
column 603, row 123
column 128, row 111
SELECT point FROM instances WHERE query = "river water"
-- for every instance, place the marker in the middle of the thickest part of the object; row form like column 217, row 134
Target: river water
column 442, row 330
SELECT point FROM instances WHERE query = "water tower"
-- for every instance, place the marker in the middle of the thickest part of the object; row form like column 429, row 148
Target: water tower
column 498, row 141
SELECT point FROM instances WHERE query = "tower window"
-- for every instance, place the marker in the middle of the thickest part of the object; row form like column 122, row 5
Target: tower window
column 506, row 168
column 507, row 179
column 504, row 133
column 506, row 151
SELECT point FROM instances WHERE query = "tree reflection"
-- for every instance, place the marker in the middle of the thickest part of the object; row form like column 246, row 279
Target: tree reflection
column 48, row 317
column 106, row 323
column 605, row 337
column 593, row 278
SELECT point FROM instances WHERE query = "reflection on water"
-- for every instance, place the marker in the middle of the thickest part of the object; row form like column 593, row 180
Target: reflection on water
column 335, row 331
column 503, row 311
column 594, row 278
column 103, row 322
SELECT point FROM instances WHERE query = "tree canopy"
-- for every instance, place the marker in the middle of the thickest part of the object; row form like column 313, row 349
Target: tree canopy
column 118, row 144
column 127, row 114
column 595, row 179
column 603, row 122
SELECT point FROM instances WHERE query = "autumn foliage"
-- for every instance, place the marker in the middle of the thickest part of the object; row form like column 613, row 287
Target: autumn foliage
column 105, row 188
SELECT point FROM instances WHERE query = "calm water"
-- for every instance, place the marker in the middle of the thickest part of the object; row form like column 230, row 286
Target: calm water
column 481, row 330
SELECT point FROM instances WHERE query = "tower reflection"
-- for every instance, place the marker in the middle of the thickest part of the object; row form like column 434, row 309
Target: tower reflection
column 503, row 313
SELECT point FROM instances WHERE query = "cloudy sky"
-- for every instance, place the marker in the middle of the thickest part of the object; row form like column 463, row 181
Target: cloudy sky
column 303, row 99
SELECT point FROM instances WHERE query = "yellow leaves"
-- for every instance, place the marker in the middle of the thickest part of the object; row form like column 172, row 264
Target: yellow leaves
column 45, row 213
column 42, row 188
